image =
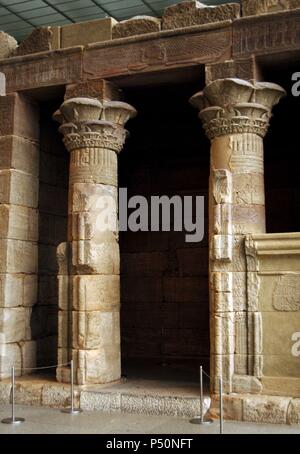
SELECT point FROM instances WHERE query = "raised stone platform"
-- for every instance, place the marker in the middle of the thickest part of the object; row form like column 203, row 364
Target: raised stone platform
column 135, row 395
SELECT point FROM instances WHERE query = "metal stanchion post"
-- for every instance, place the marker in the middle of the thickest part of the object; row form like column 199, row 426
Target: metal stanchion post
column 221, row 405
column 197, row 419
column 13, row 419
column 72, row 410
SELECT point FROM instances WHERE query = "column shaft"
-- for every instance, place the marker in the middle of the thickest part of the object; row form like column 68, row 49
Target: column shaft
column 89, row 317
column 236, row 116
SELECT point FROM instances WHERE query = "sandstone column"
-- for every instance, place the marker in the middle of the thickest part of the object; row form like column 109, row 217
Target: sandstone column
column 236, row 117
column 89, row 284
column 19, row 170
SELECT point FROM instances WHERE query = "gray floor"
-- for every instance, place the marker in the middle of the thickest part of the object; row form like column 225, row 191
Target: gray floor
column 50, row 421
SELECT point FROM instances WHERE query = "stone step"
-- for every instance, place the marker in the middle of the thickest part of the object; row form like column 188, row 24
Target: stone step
column 119, row 397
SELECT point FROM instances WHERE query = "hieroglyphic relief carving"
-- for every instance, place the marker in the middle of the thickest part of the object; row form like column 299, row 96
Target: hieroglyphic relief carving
column 286, row 295
column 266, row 34
column 248, row 188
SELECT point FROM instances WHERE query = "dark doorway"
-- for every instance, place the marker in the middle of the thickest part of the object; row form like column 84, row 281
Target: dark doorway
column 164, row 279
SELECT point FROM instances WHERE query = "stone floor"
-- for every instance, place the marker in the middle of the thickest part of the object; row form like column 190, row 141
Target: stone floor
column 52, row 421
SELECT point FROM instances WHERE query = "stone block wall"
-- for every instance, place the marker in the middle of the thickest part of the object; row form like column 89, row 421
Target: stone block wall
column 53, row 208
column 19, row 172
column 164, row 279
column 274, row 260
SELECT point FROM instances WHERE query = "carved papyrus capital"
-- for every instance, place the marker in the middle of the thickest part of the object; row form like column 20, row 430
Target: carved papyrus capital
column 89, row 123
column 234, row 106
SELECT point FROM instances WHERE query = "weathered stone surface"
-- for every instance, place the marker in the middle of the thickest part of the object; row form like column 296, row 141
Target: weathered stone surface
column 137, row 25
column 19, row 154
column 8, row 45
column 86, row 196
column 270, row 409
column 223, row 334
column 28, row 395
column 249, row 218
column 286, row 293
column 98, row 366
column 18, row 188
column 11, row 290
column 10, row 355
column 64, row 326
column 278, row 357
column 5, row 390
column 58, row 396
column 257, row 7
column 232, row 407
column 41, row 39
column 12, row 324
column 18, row 256
column 18, row 290
column 18, row 223
column 42, row 69
column 2, row 84
column 96, row 293
column 100, row 401
column 29, row 355
column 277, row 386
column 265, row 34
column 19, row 116
column 245, row 69
column 157, row 405
column 293, row 416
column 212, row 46
column 100, row 89
column 246, row 384
column 87, row 32
column 89, row 257
column 94, row 330
column 93, row 335
column 64, row 258
column 186, row 14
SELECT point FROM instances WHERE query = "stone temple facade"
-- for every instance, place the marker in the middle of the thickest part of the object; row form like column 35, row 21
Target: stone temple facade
column 69, row 292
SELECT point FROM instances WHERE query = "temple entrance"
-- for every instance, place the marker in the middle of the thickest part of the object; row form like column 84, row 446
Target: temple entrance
column 164, row 279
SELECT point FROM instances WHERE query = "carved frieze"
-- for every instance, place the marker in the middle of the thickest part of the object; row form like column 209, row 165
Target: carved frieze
column 266, row 34
column 286, row 295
